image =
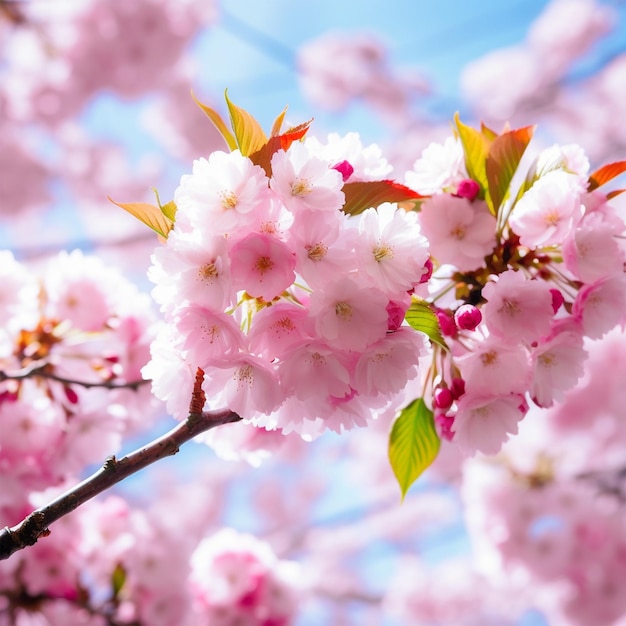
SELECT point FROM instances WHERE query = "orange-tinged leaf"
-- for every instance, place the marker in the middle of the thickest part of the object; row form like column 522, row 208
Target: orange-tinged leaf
column 487, row 132
column 505, row 154
column 278, row 123
column 263, row 157
column 363, row 195
column 605, row 174
column 248, row 132
column 294, row 134
column 218, row 122
column 149, row 214
column 615, row 192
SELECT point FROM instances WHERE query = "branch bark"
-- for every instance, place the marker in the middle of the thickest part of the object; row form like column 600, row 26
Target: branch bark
column 114, row 470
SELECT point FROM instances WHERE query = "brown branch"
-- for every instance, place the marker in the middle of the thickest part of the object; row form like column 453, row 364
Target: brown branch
column 40, row 370
column 35, row 525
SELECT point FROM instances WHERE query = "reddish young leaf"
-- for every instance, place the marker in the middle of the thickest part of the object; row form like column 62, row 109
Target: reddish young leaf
column 504, row 155
column 363, row 195
column 605, row 174
column 263, row 156
column 615, row 192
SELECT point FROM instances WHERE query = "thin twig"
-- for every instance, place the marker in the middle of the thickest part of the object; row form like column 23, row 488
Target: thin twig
column 35, row 525
column 38, row 370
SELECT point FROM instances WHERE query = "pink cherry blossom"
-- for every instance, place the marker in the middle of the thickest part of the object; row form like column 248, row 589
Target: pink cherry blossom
column 441, row 167
column 601, row 305
column 222, row 192
column 208, row 336
column 548, row 210
column 303, row 181
column 391, row 248
column 517, row 309
column 348, row 316
column 278, row 329
column 386, row 366
column 483, row 423
column 558, row 365
column 591, row 252
column 262, row 265
column 459, row 232
column 494, row 367
column 245, row 384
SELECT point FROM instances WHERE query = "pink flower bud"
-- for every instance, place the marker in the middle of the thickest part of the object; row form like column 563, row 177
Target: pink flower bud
column 446, row 323
column 345, row 169
column 444, row 422
column 557, row 299
column 70, row 394
column 457, row 387
column 467, row 317
column 428, row 272
column 442, row 398
column 395, row 314
column 468, row 189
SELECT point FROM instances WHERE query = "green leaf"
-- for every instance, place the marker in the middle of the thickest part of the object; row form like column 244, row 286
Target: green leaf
column 421, row 317
column 605, row 174
column 168, row 209
column 149, row 214
column 248, row 132
column 505, row 154
column 413, row 443
column 476, row 149
column 219, row 123
column 118, row 578
column 366, row 194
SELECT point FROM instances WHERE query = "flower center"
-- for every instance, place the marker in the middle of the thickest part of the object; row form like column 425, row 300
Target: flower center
column 301, row 187
column 229, row 199
column 551, row 218
column 489, row 358
column 458, row 232
column 343, row 310
column 208, row 273
column 509, row 307
column 383, row 251
column 244, row 376
column 263, row 264
column 317, row 252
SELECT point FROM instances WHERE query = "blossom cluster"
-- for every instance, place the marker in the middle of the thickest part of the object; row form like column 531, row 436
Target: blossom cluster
column 292, row 308
column 73, row 340
column 524, row 273
column 113, row 563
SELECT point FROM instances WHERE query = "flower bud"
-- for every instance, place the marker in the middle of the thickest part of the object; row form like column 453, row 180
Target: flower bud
column 457, row 387
column 446, row 323
column 557, row 299
column 468, row 189
column 467, row 317
column 428, row 272
column 442, row 398
column 345, row 169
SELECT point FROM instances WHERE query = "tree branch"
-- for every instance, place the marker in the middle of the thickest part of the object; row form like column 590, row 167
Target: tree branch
column 39, row 369
column 35, row 525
